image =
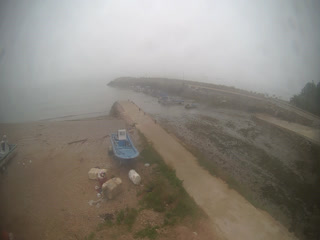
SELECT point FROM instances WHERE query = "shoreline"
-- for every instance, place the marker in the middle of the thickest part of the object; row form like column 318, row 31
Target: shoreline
column 65, row 118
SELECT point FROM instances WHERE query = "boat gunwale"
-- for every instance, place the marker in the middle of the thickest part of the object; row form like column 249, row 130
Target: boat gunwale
column 136, row 152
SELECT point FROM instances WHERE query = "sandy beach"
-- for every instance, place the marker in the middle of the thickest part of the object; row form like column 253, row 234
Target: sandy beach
column 45, row 190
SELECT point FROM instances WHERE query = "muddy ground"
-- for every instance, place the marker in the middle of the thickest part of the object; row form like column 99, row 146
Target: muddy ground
column 274, row 169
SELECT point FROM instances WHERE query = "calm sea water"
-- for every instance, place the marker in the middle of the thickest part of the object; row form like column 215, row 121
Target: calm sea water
column 70, row 102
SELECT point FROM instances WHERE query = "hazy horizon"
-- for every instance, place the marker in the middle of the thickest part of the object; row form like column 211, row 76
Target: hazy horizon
column 271, row 47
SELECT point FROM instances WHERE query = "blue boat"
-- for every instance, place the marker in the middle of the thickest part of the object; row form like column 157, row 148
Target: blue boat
column 6, row 152
column 122, row 145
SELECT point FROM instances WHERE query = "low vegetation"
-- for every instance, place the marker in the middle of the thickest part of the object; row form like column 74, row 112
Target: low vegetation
column 164, row 194
column 127, row 217
column 148, row 232
column 91, row 236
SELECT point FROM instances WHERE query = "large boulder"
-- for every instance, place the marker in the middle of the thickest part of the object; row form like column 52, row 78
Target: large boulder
column 111, row 188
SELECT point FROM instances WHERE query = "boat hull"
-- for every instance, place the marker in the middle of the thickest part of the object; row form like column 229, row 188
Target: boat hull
column 123, row 149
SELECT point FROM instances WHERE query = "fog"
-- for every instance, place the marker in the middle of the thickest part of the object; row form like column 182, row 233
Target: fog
column 50, row 46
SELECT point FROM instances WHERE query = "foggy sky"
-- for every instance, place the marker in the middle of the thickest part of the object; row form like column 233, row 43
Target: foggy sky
column 268, row 46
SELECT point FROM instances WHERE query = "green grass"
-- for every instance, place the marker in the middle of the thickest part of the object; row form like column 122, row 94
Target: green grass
column 130, row 218
column 91, row 236
column 120, row 216
column 148, row 232
column 166, row 193
column 127, row 217
column 150, row 155
column 106, row 224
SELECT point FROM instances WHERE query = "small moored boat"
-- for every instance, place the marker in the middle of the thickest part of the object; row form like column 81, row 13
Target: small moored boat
column 6, row 152
column 122, row 145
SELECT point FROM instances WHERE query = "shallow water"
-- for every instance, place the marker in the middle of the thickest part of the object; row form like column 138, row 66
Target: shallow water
column 73, row 101
column 84, row 100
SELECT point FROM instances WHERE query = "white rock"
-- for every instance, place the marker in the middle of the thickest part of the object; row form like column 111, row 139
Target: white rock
column 94, row 172
column 134, row 177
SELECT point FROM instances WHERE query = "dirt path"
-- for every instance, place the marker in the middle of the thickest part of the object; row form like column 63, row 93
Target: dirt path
column 232, row 217
column 304, row 131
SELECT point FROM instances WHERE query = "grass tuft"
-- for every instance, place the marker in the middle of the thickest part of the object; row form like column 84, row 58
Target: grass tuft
column 91, row 236
column 130, row 218
column 120, row 216
column 148, row 232
column 127, row 216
